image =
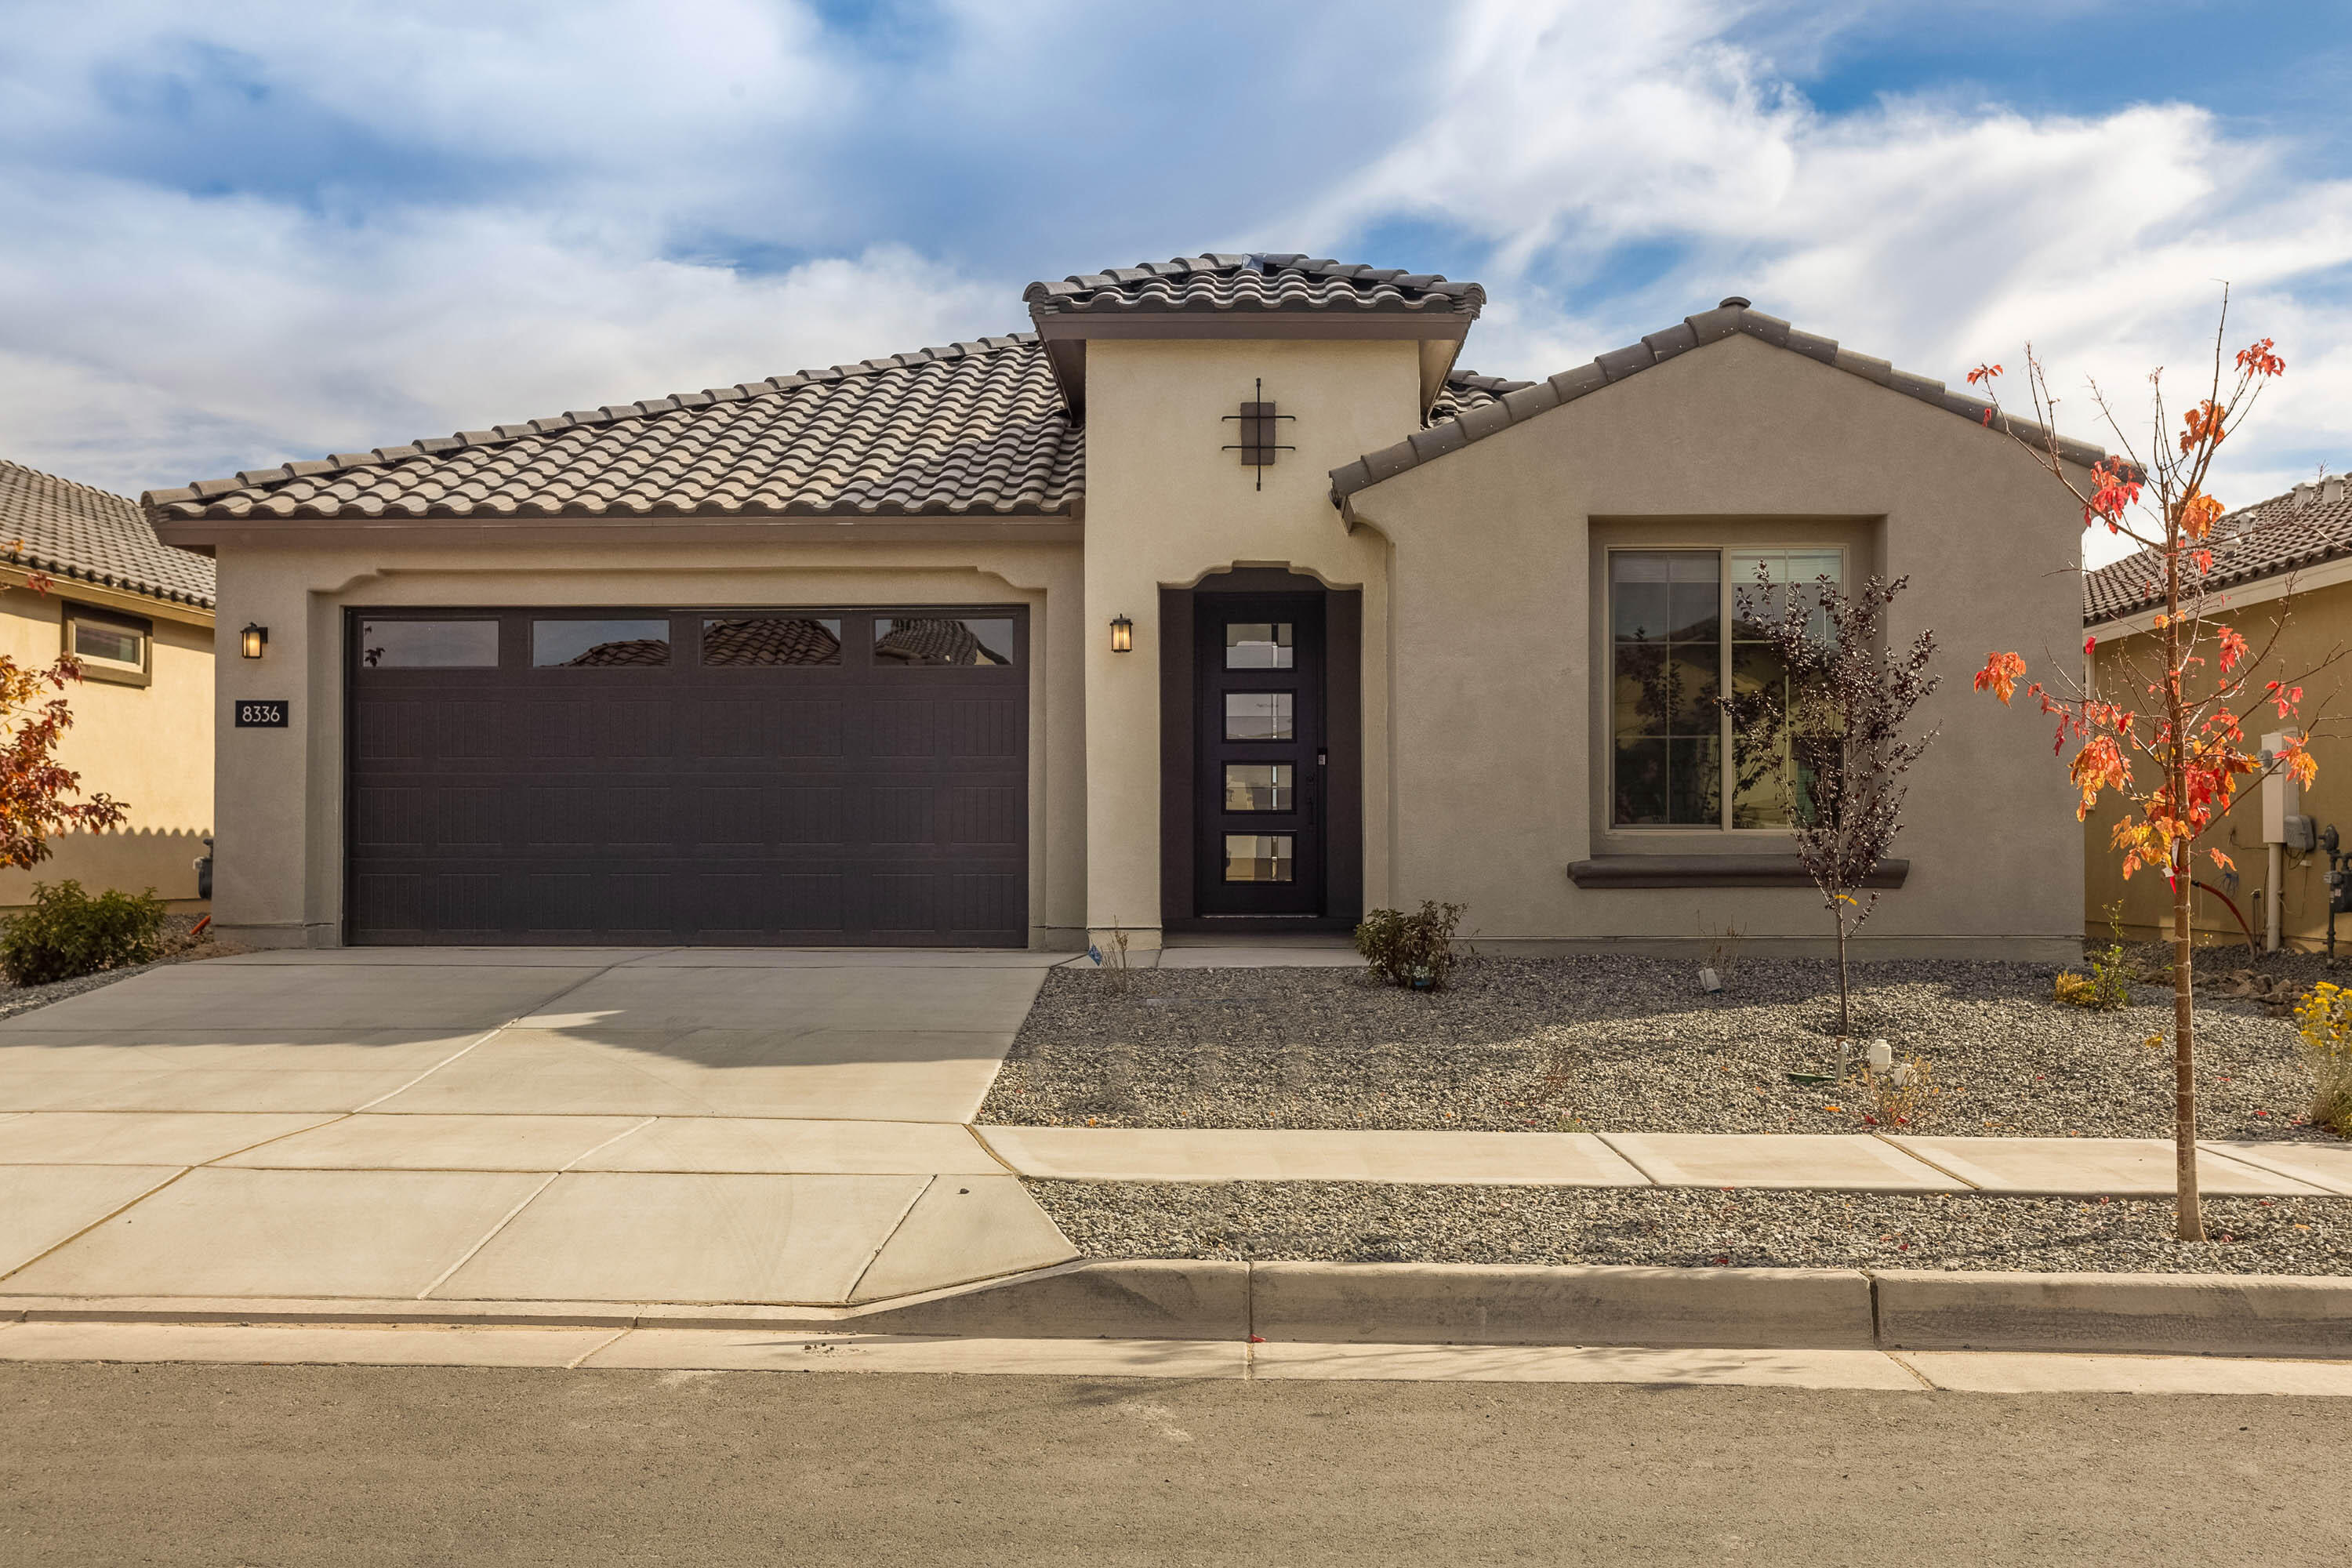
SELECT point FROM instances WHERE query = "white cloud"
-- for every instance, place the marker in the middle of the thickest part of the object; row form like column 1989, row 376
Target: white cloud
column 444, row 215
column 1936, row 234
column 271, row 335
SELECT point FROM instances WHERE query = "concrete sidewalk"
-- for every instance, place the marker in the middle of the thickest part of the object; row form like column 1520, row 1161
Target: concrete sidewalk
column 2065, row 1167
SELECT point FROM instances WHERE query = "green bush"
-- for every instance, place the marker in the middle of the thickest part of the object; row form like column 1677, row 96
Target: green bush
column 1415, row 949
column 66, row 933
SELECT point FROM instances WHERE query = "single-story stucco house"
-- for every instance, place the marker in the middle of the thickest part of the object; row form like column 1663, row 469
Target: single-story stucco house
column 138, row 616
column 1222, row 600
column 2283, row 578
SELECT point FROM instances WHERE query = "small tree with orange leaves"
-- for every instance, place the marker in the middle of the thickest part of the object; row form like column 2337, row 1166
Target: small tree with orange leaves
column 2173, row 742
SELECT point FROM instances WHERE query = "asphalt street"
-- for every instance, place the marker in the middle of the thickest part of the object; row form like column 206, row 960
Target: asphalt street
column 275, row 1467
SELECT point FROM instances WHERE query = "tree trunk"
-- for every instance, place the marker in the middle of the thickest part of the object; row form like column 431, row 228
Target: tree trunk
column 1846, row 1024
column 2189, row 1211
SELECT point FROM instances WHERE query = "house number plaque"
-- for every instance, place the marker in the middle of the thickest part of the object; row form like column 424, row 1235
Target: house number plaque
column 260, row 713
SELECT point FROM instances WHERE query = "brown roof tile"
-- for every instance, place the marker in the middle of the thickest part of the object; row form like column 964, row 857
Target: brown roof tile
column 79, row 534
column 2307, row 525
column 1248, row 283
column 974, row 428
column 1526, row 399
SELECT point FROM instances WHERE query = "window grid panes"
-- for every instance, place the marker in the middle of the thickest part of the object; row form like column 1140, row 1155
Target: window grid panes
column 1665, row 615
column 1259, row 857
column 1757, row 796
column 1259, row 716
column 1258, row 645
column 1258, row 786
column 1683, row 623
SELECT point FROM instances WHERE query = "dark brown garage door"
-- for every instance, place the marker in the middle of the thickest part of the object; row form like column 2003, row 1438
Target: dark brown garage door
column 750, row 777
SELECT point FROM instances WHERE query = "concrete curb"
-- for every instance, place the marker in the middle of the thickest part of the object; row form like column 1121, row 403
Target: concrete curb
column 1407, row 1303
column 1469, row 1303
column 2143, row 1314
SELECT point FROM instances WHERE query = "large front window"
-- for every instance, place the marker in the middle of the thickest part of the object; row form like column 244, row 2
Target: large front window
column 1683, row 625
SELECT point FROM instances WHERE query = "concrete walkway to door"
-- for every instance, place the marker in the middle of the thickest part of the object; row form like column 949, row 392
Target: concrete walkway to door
column 504, row 1124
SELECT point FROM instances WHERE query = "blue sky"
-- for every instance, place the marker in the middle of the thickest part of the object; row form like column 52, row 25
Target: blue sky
column 245, row 232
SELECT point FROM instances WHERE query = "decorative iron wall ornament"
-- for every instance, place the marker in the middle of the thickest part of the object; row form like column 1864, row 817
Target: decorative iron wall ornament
column 1260, row 424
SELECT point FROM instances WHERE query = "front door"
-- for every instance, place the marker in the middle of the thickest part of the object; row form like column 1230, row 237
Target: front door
column 1259, row 796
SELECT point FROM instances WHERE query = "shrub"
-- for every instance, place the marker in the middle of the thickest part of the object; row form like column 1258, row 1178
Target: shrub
column 66, row 933
column 1414, row 951
column 2325, row 1020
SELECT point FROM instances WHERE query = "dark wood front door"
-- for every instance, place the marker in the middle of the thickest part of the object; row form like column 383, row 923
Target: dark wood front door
column 1260, row 754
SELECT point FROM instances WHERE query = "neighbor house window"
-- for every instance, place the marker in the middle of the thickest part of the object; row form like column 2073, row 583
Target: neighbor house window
column 110, row 647
column 1685, row 626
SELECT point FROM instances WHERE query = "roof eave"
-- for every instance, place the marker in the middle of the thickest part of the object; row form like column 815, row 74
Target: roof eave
column 1729, row 319
column 1065, row 336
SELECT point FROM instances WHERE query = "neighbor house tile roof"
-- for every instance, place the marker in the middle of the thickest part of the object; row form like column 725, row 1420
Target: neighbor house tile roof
column 78, row 533
column 1733, row 316
column 2309, row 524
column 974, row 428
column 1258, row 282
column 770, row 639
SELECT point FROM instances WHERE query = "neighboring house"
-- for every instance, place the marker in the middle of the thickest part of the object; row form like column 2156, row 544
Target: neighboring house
column 138, row 614
column 1223, row 601
column 2283, row 578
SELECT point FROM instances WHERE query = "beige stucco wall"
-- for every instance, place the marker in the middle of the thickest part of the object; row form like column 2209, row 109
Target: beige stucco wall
column 149, row 746
column 2308, row 628
column 1166, row 505
column 1495, row 633
column 279, row 876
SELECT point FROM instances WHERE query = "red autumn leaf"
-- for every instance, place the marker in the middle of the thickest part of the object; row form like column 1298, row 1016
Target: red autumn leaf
column 2000, row 675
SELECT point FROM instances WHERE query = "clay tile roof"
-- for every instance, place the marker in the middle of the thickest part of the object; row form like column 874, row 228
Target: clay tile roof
column 933, row 640
column 1526, row 399
column 1250, row 283
column 770, row 639
column 630, row 651
column 970, row 428
column 1466, row 390
column 81, row 534
column 2309, row 524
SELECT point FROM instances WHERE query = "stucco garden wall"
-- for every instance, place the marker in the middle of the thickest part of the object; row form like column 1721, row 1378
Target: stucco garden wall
column 149, row 746
column 1495, row 633
column 279, row 866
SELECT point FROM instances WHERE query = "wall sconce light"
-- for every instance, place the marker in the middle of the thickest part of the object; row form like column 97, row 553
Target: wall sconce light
column 1122, row 634
column 250, row 641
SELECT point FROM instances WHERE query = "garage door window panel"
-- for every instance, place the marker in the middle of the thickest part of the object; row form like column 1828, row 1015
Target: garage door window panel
column 635, row 644
column 942, row 642
column 771, row 642
column 428, row 645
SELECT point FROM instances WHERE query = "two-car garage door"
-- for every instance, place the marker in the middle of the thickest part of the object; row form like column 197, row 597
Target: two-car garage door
column 725, row 776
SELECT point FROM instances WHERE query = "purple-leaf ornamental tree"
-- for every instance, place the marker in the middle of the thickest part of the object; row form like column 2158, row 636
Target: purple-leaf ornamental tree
column 1832, row 732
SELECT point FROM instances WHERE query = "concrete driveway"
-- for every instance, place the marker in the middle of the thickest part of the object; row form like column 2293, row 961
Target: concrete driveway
column 505, row 1124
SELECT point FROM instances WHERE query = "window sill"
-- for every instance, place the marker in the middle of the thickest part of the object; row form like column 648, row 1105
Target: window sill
column 114, row 674
column 1712, row 871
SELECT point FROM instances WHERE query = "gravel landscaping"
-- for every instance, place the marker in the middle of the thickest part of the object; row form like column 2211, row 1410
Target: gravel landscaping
column 1618, row 1043
column 1365, row 1222
column 180, row 947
